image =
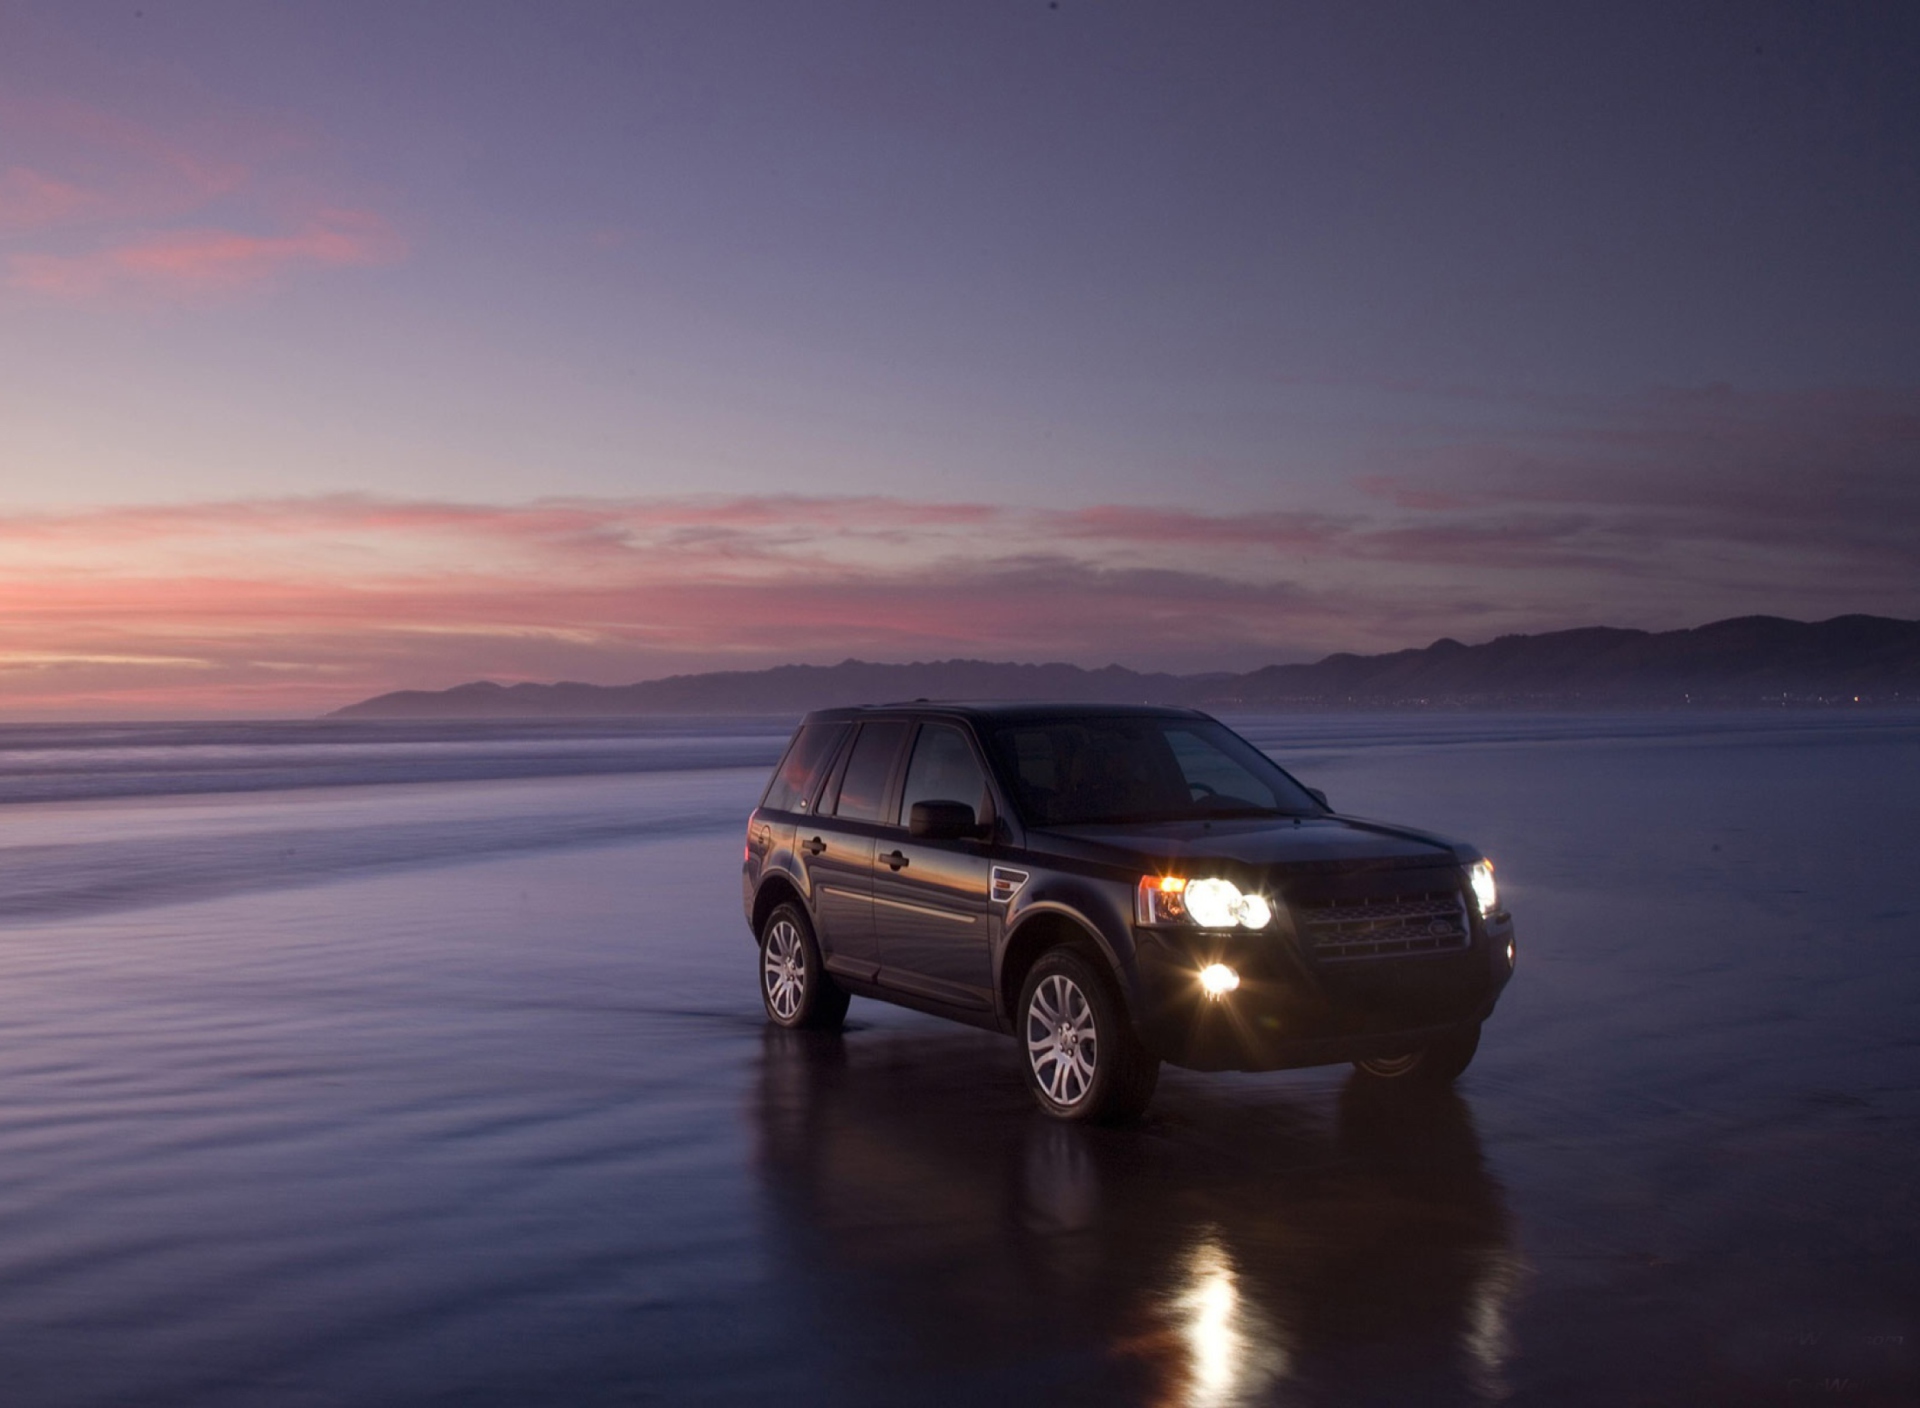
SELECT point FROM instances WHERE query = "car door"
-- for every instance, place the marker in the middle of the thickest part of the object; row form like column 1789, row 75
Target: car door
column 930, row 897
column 836, row 847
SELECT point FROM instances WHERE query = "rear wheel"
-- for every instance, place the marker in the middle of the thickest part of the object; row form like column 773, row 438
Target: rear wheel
column 1079, row 1053
column 1436, row 1064
column 794, row 985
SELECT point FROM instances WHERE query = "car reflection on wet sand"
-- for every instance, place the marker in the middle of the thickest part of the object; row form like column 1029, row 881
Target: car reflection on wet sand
column 1290, row 1241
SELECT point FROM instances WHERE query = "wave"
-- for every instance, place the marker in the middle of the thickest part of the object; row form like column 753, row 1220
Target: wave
column 79, row 762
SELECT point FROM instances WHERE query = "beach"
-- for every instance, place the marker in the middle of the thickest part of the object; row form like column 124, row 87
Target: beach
column 354, row 1063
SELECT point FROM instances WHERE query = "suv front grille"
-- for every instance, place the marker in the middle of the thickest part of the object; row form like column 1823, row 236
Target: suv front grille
column 1432, row 921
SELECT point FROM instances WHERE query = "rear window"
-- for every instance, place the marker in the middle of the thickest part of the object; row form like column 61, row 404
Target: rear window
column 807, row 756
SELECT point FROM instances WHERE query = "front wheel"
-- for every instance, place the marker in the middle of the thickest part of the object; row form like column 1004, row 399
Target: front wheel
column 1080, row 1056
column 794, row 985
column 1438, row 1063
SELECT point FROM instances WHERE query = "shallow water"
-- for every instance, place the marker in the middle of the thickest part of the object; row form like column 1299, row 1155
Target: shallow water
column 432, row 1070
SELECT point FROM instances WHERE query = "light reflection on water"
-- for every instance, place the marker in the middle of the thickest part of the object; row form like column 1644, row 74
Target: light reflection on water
column 1232, row 1350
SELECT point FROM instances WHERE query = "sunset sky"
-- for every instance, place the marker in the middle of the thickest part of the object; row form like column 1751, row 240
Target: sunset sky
column 348, row 347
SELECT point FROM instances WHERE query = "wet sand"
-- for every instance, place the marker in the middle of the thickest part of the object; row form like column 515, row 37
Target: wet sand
column 303, row 1102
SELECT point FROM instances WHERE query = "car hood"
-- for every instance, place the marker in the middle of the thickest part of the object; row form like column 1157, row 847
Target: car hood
column 1306, row 843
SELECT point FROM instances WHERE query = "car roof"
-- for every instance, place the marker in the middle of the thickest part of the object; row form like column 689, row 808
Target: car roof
column 1001, row 711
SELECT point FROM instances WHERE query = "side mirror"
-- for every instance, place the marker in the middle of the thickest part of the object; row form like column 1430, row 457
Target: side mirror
column 1320, row 797
column 942, row 821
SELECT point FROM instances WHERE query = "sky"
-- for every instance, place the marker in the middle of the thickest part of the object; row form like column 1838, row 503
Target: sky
column 347, row 347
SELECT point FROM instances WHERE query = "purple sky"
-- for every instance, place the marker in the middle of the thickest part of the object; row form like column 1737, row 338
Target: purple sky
column 353, row 346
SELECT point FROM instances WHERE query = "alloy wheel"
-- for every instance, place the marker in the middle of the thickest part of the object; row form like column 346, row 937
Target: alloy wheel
column 1063, row 1042
column 784, row 970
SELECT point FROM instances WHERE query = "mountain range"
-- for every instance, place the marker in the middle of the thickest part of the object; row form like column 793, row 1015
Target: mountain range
column 1748, row 660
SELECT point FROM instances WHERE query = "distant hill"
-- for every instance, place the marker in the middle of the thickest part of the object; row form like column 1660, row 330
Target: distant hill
column 1748, row 660
column 785, row 689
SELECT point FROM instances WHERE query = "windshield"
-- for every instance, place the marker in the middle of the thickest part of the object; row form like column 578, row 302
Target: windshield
column 1138, row 768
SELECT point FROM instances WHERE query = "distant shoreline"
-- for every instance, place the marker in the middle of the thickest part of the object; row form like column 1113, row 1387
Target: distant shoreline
column 1745, row 662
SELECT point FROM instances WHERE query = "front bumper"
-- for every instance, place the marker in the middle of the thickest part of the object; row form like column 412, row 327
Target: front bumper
column 1290, row 1011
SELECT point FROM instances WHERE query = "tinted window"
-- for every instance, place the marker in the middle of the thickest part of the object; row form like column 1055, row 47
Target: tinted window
column 1131, row 768
column 943, row 770
column 793, row 780
column 863, row 788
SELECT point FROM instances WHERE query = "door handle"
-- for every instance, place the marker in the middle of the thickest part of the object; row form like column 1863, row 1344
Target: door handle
column 895, row 861
column 813, row 847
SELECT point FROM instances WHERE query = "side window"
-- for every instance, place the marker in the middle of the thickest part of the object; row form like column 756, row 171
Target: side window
column 943, row 770
column 863, row 787
column 809, row 752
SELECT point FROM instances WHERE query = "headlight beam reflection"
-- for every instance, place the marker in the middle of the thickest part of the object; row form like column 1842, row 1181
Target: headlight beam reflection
column 1231, row 1351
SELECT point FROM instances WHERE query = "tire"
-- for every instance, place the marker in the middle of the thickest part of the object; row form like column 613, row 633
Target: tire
column 1078, row 1050
column 1435, row 1065
column 795, row 987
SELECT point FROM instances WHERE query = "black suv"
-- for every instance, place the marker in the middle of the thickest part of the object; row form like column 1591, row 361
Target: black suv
column 1115, row 887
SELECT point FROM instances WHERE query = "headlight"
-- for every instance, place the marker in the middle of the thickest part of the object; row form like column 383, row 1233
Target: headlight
column 1485, row 896
column 1211, row 904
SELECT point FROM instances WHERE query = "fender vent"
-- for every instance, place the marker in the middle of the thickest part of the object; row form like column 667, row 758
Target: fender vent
column 1006, row 883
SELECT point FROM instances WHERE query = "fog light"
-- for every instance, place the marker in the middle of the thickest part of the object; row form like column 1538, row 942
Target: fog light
column 1509, row 953
column 1218, row 980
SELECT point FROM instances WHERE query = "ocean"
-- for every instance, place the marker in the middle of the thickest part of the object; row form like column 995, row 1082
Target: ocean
column 394, row 1064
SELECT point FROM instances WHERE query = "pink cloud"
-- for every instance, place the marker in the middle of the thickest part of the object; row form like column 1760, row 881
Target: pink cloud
column 193, row 263
column 301, row 604
column 116, row 210
column 1694, row 484
column 111, row 168
column 1305, row 533
column 30, row 199
column 1401, row 495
